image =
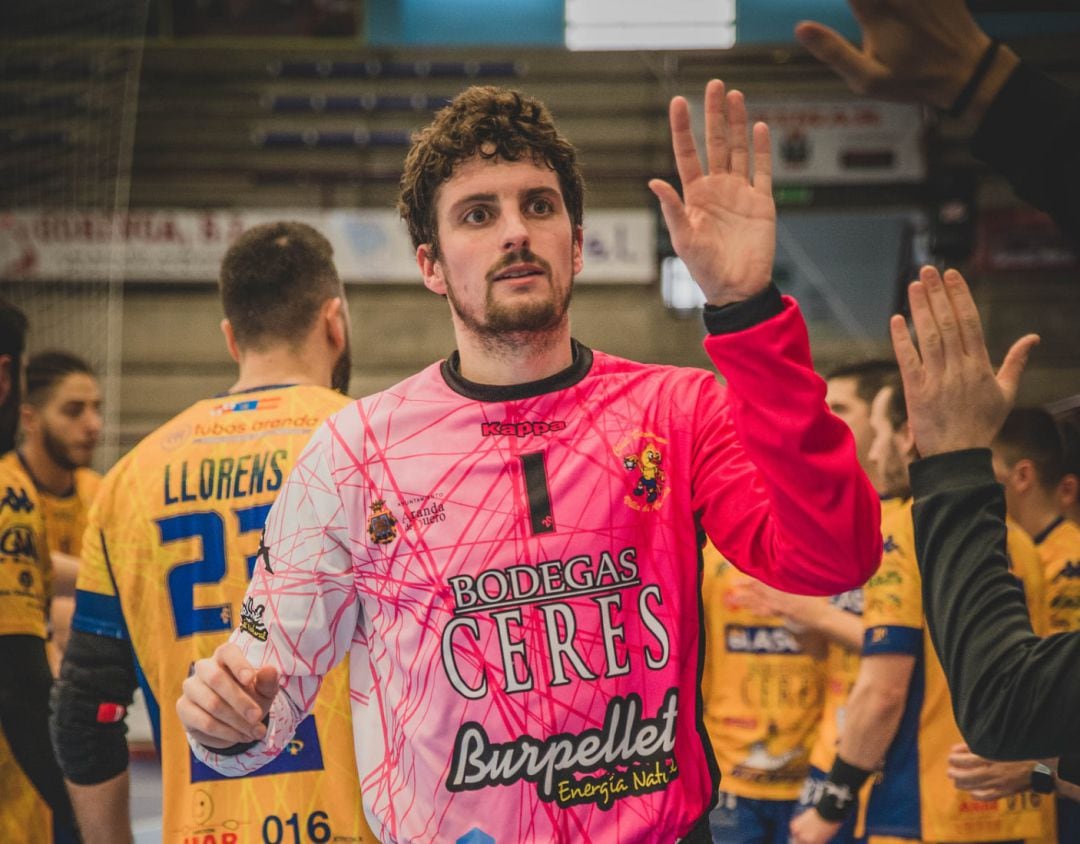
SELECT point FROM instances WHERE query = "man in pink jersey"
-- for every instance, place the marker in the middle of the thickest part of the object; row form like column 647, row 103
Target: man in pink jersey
column 507, row 543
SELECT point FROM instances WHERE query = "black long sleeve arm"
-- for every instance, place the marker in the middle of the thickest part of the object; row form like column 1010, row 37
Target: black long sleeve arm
column 1015, row 695
column 1029, row 135
column 24, row 717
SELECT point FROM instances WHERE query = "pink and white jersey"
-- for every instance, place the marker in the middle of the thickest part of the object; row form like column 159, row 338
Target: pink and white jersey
column 515, row 573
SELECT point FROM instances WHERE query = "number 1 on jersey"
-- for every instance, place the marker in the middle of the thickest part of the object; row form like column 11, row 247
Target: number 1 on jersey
column 536, row 485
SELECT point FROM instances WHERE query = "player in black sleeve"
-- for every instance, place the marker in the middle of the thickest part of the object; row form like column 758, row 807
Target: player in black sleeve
column 933, row 52
column 1016, row 696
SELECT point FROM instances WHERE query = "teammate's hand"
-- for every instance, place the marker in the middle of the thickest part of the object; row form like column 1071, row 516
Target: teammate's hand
column 724, row 227
column 920, row 51
column 810, row 828
column 799, row 611
column 226, row 698
column 954, row 400
column 987, row 780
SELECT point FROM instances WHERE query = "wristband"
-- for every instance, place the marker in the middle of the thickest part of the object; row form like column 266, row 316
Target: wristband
column 967, row 93
column 1042, row 779
column 840, row 790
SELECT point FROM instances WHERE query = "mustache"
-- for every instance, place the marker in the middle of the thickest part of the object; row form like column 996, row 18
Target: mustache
column 518, row 256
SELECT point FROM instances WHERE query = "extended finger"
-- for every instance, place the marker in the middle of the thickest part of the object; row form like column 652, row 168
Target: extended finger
column 907, row 356
column 762, row 159
column 944, row 316
column 738, row 142
column 829, row 46
column 1008, row 377
column 926, row 329
column 967, row 316
column 687, row 162
column 210, row 713
column 716, row 130
column 671, row 207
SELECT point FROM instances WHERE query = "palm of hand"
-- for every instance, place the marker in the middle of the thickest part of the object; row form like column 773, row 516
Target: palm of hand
column 730, row 231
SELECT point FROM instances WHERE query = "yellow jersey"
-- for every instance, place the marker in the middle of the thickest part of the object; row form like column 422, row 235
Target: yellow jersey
column 762, row 692
column 1059, row 550
column 25, row 575
column 841, row 669
column 914, row 799
column 65, row 515
column 173, row 537
column 25, row 571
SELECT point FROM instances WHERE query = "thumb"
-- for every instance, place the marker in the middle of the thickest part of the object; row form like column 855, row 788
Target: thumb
column 267, row 681
column 1012, row 368
column 671, row 206
column 829, row 46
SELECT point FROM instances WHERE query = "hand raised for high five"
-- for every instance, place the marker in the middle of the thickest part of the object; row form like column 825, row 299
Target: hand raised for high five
column 954, row 399
column 724, row 226
column 912, row 50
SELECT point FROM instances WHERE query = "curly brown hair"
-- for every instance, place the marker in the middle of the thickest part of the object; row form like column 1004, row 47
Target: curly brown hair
column 488, row 122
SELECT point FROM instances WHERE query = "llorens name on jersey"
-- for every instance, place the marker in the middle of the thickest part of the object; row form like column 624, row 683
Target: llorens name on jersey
column 225, row 478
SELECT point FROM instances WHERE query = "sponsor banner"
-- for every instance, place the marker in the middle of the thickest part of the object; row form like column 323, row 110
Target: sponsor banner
column 370, row 245
column 836, row 142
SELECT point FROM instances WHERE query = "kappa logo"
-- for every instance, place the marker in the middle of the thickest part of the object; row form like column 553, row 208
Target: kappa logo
column 1070, row 571
column 642, row 456
column 26, row 579
column 520, row 429
column 382, row 526
column 251, row 619
column 889, row 545
column 17, row 501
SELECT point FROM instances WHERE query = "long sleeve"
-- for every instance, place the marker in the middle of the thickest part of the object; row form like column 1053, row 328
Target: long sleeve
column 1028, row 134
column 300, row 611
column 792, row 507
column 1015, row 696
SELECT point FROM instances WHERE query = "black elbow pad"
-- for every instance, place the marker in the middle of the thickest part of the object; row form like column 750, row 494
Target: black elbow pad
column 88, row 703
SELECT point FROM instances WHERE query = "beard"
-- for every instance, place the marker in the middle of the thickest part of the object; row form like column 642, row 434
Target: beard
column 507, row 322
column 342, row 372
column 59, row 453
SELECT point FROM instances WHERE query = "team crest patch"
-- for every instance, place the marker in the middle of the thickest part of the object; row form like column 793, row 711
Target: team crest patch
column 251, row 622
column 381, row 525
column 642, row 456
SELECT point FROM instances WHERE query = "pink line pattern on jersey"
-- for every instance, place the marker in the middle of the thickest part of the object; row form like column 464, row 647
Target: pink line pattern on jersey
column 542, row 686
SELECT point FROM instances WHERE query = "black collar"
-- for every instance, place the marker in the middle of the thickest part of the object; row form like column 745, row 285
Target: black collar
column 575, row 372
column 1046, row 531
column 37, row 484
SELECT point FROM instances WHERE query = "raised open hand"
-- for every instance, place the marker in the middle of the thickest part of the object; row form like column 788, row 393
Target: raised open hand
column 912, row 50
column 954, row 399
column 724, row 226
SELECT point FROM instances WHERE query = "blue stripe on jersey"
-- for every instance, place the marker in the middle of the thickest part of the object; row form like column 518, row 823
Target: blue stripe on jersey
column 151, row 704
column 303, row 753
column 895, row 804
column 99, row 614
column 887, row 639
